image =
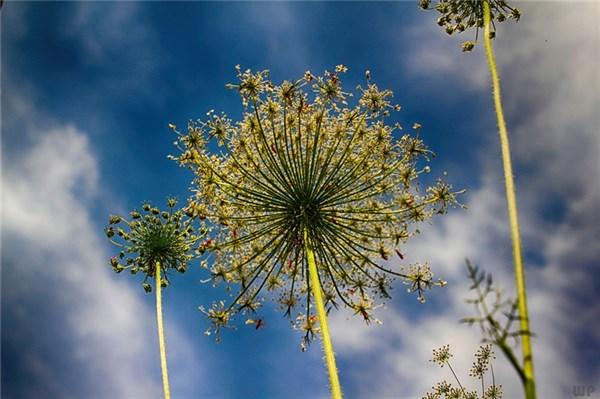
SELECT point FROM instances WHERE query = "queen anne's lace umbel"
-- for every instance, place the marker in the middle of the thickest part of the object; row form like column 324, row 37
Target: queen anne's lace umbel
column 301, row 165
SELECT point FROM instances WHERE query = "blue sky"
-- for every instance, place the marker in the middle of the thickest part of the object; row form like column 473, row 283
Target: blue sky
column 88, row 89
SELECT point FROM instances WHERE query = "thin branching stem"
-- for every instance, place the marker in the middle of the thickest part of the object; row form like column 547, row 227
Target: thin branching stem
column 455, row 377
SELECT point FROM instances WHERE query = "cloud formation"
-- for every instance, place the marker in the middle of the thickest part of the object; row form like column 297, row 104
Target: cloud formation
column 63, row 312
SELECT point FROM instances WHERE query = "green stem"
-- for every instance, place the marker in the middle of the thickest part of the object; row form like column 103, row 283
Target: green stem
column 336, row 390
column 511, row 201
column 512, row 359
column 161, row 334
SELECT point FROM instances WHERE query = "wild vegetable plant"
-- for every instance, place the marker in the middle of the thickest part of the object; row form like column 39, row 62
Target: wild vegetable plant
column 309, row 197
column 154, row 243
column 481, row 365
column 458, row 16
column 495, row 315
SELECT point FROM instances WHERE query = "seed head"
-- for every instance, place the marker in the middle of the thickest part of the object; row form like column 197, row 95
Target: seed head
column 460, row 15
column 154, row 237
column 300, row 168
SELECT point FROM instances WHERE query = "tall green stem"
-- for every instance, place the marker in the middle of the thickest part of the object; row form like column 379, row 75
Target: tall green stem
column 161, row 334
column 511, row 201
column 336, row 390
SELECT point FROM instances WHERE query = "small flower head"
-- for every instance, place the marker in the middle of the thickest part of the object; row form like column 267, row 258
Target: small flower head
column 304, row 168
column 441, row 355
column 153, row 237
column 445, row 390
column 493, row 392
column 364, row 308
column 250, row 85
column 420, row 278
column 309, row 326
column 219, row 317
column 459, row 15
column 467, row 46
column 469, row 395
column 482, row 361
column 442, row 388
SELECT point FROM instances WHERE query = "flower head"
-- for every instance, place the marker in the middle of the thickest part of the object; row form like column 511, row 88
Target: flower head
column 493, row 392
column 441, row 355
column 481, row 365
column 482, row 361
column 460, row 15
column 302, row 167
column 153, row 237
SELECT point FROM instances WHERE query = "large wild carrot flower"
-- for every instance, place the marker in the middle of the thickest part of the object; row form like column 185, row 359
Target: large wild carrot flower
column 304, row 176
column 460, row 15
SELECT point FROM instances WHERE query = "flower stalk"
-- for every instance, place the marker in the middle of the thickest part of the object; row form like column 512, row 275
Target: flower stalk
column 161, row 335
column 153, row 243
column 336, row 390
column 511, row 201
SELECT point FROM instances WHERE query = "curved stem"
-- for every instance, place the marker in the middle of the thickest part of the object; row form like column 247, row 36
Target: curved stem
column 336, row 390
column 161, row 334
column 511, row 201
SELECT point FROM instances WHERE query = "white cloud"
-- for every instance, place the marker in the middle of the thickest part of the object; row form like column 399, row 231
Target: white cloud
column 437, row 56
column 56, row 264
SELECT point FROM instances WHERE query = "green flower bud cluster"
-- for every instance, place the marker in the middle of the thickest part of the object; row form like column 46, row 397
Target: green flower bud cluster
column 460, row 15
column 153, row 237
